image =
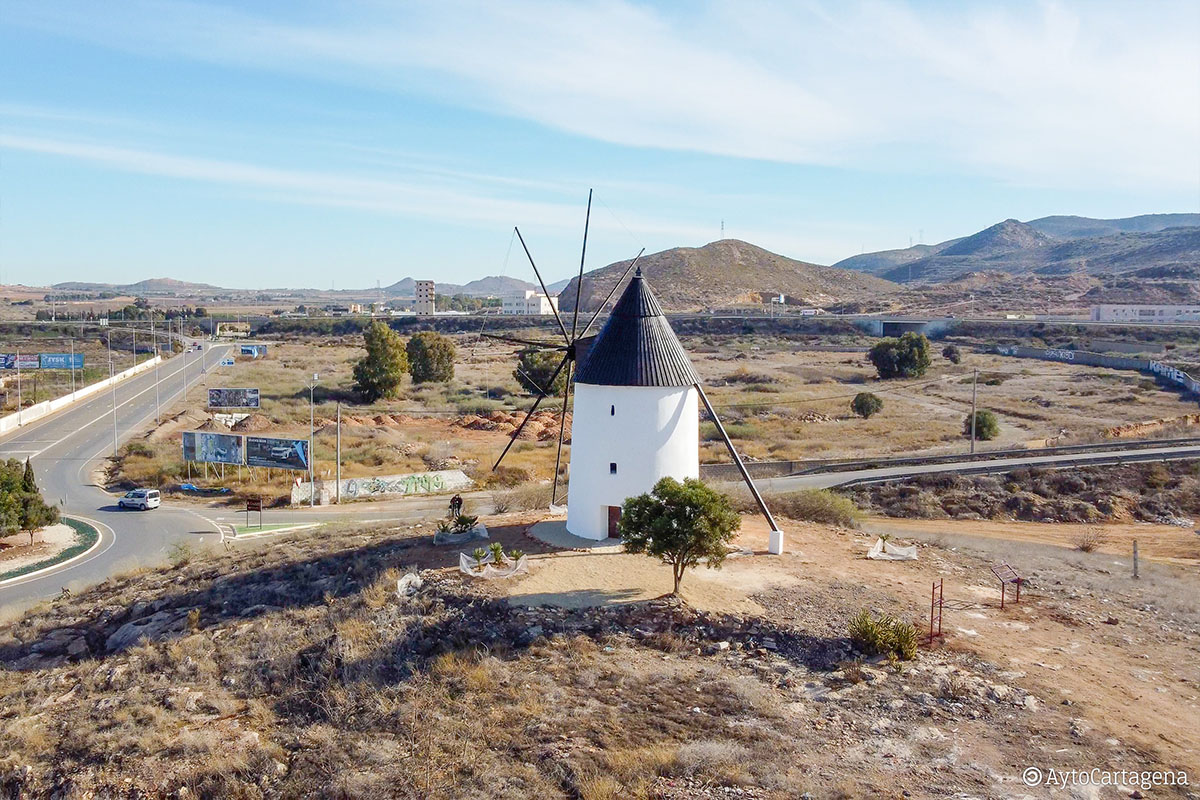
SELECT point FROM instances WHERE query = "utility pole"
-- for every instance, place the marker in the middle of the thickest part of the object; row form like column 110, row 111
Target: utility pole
column 974, row 395
column 19, row 403
column 337, row 492
column 312, row 435
column 154, row 346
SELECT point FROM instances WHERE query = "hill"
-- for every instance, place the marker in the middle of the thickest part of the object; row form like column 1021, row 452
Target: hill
column 148, row 286
column 1068, row 227
column 1003, row 237
column 729, row 272
column 491, row 286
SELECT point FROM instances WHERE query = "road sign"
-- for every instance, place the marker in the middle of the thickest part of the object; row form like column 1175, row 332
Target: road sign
column 227, row 362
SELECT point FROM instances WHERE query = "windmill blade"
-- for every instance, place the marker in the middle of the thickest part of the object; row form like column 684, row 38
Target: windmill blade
column 562, row 424
column 530, row 342
column 582, row 255
column 545, row 291
column 616, row 286
column 532, row 409
column 762, row 506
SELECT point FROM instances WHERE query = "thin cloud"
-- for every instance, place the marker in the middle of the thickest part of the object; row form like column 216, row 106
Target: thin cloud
column 1063, row 95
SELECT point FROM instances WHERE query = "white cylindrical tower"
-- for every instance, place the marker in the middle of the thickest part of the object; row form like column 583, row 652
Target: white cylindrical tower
column 635, row 419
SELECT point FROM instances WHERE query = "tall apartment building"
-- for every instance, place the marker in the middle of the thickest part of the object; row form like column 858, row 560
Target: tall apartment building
column 424, row 305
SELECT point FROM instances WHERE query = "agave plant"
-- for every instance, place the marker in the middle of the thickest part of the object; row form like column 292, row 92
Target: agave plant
column 479, row 555
column 516, row 554
column 497, row 552
column 464, row 522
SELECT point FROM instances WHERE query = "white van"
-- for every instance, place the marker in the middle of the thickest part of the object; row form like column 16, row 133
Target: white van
column 144, row 499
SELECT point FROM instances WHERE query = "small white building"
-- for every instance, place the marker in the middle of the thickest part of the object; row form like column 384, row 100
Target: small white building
column 636, row 414
column 424, row 305
column 530, row 303
column 1145, row 313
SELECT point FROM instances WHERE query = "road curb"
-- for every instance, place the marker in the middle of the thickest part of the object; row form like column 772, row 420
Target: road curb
column 60, row 564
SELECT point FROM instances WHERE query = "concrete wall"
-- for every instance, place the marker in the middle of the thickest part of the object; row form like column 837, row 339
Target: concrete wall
column 436, row 482
column 39, row 410
column 648, row 432
column 1167, row 372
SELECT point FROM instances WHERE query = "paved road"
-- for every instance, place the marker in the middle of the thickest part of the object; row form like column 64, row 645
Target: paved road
column 67, row 446
column 830, row 479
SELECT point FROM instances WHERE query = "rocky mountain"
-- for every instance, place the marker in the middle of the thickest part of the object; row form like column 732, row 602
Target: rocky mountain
column 728, row 272
column 1048, row 246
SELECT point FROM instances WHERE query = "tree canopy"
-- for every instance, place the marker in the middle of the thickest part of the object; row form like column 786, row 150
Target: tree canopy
column 681, row 524
column 21, row 505
column 952, row 354
column 534, row 368
column 378, row 374
column 430, row 357
column 906, row 357
column 987, row 425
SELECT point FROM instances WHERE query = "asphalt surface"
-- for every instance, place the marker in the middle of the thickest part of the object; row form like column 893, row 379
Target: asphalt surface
column 67, row 446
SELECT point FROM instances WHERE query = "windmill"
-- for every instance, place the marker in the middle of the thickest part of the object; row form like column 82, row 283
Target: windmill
column 569, row 348
column 637, row 408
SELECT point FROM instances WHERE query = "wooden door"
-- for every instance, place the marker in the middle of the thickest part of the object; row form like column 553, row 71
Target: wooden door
column 614, row 516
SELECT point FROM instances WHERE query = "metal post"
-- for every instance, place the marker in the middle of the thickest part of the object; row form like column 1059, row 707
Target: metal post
column 1135, row 559
column 19, row 401
column 72, row 366
column 974, row 393
column 113, row 385
column 157, row 404
column 776, row 538
column 337, row 490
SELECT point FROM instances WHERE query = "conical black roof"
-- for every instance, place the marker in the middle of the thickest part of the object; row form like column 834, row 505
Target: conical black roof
column 637, row 347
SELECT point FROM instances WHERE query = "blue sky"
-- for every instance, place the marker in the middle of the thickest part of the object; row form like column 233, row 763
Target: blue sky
column 336, row 144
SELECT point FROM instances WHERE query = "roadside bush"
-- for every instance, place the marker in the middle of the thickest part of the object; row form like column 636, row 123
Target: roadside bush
column 806, row 505
column 743, row 375
column 1089, row 540
column 866, row 404
column 987, row 426
column 883, row 635
column 952, row 354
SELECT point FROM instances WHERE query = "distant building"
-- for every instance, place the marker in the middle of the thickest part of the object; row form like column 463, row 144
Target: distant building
column 530, row 303
column 1145, row 313
column 424, row 304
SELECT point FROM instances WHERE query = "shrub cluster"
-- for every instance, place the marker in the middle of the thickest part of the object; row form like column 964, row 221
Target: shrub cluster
column 883, row 635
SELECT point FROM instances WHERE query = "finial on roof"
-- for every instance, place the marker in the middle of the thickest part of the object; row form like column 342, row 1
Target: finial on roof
column 637, row 273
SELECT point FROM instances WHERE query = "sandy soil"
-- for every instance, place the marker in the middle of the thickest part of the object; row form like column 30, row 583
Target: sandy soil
column 15, row 551
column 1122, row 655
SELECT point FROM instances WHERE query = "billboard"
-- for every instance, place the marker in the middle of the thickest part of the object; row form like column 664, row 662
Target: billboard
column 233, row 398
column 253, row 350
column 215, row 448
column 22, row 361
column 61, row 361
column 277, row 453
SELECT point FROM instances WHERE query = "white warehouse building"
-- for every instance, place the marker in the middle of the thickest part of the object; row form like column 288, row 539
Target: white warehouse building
column 636, row 414
column 530, row 303
column 1145, row 313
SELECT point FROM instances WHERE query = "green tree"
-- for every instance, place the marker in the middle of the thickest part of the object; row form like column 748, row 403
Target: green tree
column 906, row 357
column 865, row 404
column 952, row 354
column 35, row 514
column 534, row 368
column 430, row 357
column 987, row 426
column 28, row 479
column 679, row 523
column 378, row 374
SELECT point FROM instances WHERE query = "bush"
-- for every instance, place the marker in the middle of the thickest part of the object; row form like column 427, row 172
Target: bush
column 883, row 635
column 1090, row 539
column 430, row 357
column 987, row 426
column 377, row 375
column 806, row 505
column 866, row 404
column 952, row 354
column 906, row 357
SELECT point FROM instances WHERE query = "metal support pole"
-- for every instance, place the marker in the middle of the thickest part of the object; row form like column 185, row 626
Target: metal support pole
column 113, row 386
column 157, row 403
column 19, row 401
column 312, row 435
column 72, row 366
column 776, row 541
column 1135, row 560
column 974, row 394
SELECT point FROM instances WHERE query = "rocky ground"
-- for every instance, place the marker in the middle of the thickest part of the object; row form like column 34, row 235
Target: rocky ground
column 1167, row 492
column 300, row 667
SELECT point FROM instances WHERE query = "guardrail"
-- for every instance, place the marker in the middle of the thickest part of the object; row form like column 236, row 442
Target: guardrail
column 39, row 410
column 781, row 469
